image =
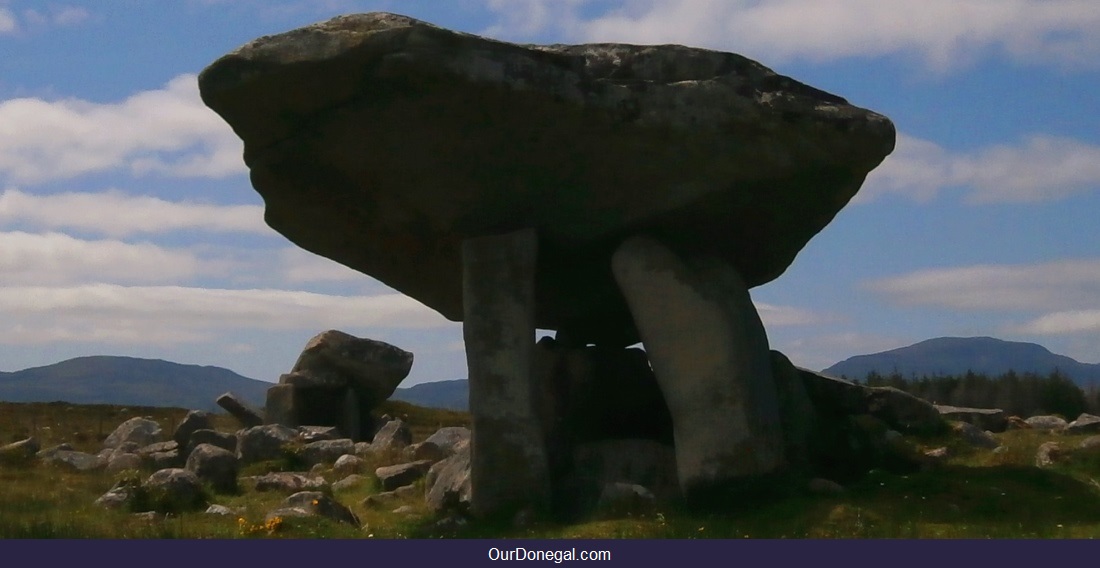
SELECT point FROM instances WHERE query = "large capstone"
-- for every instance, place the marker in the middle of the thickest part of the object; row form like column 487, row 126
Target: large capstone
column 384, row 142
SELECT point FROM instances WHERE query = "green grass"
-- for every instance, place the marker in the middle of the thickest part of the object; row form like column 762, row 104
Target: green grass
column 977, row 494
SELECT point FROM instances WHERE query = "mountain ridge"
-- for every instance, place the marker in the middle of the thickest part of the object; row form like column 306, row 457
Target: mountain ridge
column 957, row 355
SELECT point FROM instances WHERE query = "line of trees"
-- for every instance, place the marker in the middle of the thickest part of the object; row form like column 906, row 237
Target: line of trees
column 1019, row 394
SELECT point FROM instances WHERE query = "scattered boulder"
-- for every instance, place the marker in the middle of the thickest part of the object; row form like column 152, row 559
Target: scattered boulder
column 394, row 435
column 244, row 414
column 444, row 442
column 1084, row 424
column 1047, row 454
column 975, row 436
column 194, row 420
column 20, row 452
column 347, row 465
column 325, row 451
column 140, row 431
column 1047, row 422
column 316, row 503
column 308, row 434
column 166, row 460
column 349, row 482
column 124, row 461
column 394, row 476
column 78, row 461
column 991, row 419
column 174, row 490
column 448, row 483
column 222, row 440
column 221, row 510
column 120, row 496
column 150, row 449
column 1090, row 443
column 214, row 465
column 1017, row 423
column 286, row 481
column 261, row 443
column 48, row 453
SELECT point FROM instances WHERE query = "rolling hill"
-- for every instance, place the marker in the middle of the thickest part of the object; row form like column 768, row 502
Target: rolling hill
column 957, row 355
column 105, row 379
column 451, row 395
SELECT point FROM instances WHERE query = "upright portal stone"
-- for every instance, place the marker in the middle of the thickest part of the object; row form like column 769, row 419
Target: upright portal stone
column 509, row 470
column 709, row 354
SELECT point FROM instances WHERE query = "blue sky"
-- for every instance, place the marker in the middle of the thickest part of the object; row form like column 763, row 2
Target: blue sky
column 128, row 225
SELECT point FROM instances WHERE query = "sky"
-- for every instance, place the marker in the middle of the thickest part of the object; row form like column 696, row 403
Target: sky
column 128, row 225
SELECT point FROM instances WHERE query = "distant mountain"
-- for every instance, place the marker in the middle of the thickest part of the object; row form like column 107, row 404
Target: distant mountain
column 129, row 381
column 957, row 355
column 452, row 395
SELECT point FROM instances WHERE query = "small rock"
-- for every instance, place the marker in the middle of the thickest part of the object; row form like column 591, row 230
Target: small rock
column 214, row 465
column 1084, row 424
column 140, row 431
column 975, row 436
column 19, row 452
column 394, row 476
column 174, row 489
column 122, row 462
column 227, row 442
column 221, row 510
column 405, row 510
column 286, row 481
column 1054, row 423
column 1048, row 453
column 350, row 482
column 393, row 436
column 317, row 503
column 347, row 464
column 194, row 420
column 326, row 451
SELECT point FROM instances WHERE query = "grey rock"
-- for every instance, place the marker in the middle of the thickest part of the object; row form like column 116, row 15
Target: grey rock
column 394, row 476
column 140, row 431
column 407, row 510
column 222, row 440
column 124, row 461
column 48, row 453
column 194, row 420
column 157, row 447
column 174, row 490
column 247, row 416
column 349, row 482
column 1090, row 443
column 317, row 503
column 221, row 510
column 394, row 435
column 286, row 481
column 166, row 460
column 347, row 464
column 448, row 483
column 326, row 451
column 1084, row 424
column 372, row 369
column 993, row 419
column 1047, row 422
column 710, row 148
column 309, row 434
column 975, row 436
column 22, row 451
column 78, row 461
column 1048, row 453
column 214, row 465
column 266, row 442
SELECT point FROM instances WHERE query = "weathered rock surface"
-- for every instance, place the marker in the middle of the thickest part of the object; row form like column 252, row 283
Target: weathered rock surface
column 319, row 504
column 394, row 435
column 326, row 451
column 265, row 442
column 448, row 483
column 1048, row 453
column 285, row 481
column 213, row 437
column 194, row 420
column 975, row 436
column 1084, row 424
column 335, row 359
column 992, row 419
column 347, row 464
column 1047, row 422
column 78, row 461
column 173, row 490
column 394, row 476
column 124, row 461
column 382, row 142
column 247, row 416
column 22, row 451
column 214, row 465
column 140, row 431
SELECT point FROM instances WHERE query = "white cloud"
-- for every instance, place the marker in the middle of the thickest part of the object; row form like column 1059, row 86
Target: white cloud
column 117, row 214
column 7, row 22
column 303, row 266
column 69, row 15
column 1039, row 168
column 166, row 131
column 109, row 313
column 776, row 316
column 945, row 34
column 55, row 258
column 1064, row 322
column 1060, row 285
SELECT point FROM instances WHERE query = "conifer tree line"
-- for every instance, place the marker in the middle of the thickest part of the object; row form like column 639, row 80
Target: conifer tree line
column 1018, row 394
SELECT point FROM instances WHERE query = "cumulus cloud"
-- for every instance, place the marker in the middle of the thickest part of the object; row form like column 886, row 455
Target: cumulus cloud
column 55, row 258
column 165, row 314
column 945, row 34
column 1060, row 285
column 61, row 16
column 166, row 131
column 117, row 214
column 1040, row 168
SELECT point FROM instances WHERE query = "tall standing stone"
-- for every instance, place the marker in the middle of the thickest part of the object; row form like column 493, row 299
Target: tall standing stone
column 509, row 470
column 709, row 354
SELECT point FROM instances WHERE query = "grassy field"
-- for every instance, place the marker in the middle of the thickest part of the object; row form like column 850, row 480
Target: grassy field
column 977, row 494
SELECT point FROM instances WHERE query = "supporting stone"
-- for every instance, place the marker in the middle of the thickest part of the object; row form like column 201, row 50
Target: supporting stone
column 245, row 415
column 509, row 470
column 709, row 353
column 282, row 405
